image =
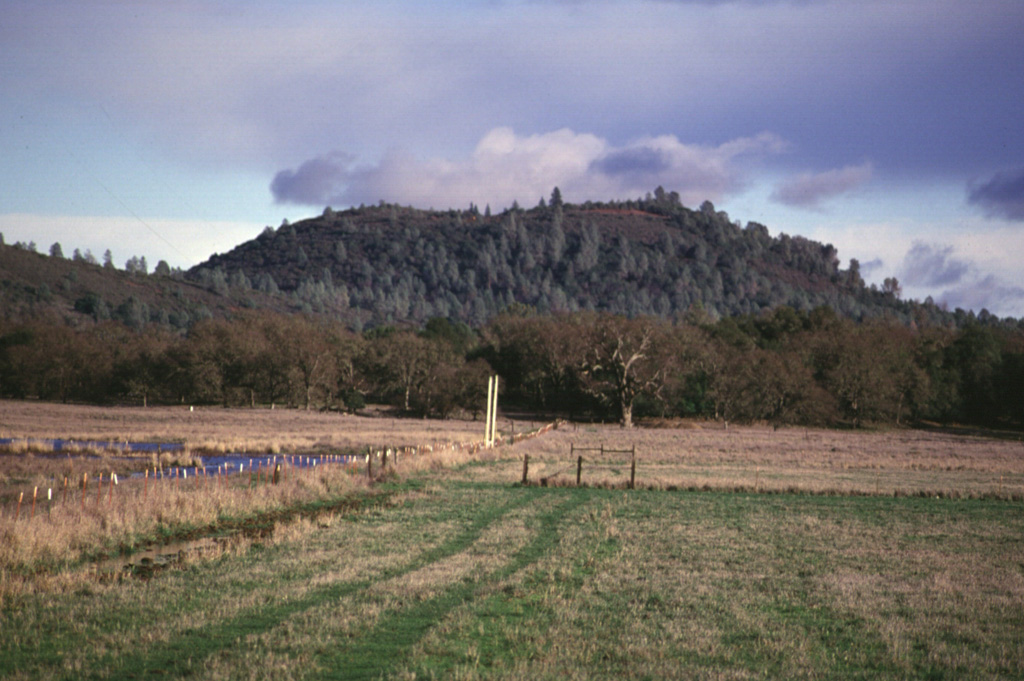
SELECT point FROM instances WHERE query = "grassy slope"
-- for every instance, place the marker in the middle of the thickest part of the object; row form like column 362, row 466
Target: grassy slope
column 463, row 579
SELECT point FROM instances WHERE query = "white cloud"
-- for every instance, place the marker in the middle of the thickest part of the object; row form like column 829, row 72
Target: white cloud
column 505, row 167
column 973, row 267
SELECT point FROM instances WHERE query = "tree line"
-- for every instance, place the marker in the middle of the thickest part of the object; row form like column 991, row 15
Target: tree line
column 785, row 366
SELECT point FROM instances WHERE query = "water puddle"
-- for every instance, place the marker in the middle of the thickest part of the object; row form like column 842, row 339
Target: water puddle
column 146, row 563
column 232, row 464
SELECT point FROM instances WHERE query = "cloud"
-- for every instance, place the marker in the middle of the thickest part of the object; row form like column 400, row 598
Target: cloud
column 505, row 167
column 931, row 265
column 1002, row 195
column 632, row 161
column 314, row 180
column 871, row 266
column 987, row 293
column 259, row 81
column 809, row 190
column 962, row 282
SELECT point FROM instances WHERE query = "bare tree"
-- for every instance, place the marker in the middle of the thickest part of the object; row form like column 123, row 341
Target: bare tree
column 622, row 358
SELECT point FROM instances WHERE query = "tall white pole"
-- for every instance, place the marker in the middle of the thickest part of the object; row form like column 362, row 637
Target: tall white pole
column 494, row 413
column 487, row 415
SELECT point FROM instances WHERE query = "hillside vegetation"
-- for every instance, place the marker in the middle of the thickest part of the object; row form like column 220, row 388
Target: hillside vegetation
column 77, row 291
column 392, row 264
column 373, row 266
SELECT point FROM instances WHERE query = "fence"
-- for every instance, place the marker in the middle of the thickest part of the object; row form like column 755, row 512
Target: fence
column 578, row 463
column 261, row 470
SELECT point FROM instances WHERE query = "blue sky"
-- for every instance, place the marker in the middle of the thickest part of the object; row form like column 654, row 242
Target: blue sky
column 176, row 130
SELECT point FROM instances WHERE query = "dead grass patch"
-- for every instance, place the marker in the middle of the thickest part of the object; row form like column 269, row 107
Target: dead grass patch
column 217, row 429
column 759, row 459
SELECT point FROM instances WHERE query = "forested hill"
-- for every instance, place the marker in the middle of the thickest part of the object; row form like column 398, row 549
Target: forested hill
column 389, row 263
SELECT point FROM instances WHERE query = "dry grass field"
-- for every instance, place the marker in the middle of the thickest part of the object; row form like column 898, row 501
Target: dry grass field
column 708, row 456
column 215, row 429
column 68, row 524
column 742, row 553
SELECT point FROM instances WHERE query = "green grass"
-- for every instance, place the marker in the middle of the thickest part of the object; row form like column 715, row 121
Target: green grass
column 456, row 579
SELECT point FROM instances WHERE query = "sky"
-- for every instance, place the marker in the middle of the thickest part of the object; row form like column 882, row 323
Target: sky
column 890, row 129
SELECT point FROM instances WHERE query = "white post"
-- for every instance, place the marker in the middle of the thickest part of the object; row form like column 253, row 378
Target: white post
column 494, row 412
column 487, row 415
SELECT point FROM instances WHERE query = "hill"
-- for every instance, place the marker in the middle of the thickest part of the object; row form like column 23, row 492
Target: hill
column 393, row 264
column 39, row 288
column 389, row 264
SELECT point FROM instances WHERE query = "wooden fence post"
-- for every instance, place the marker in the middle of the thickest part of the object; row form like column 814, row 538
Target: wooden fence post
column 579, row 469
column 526, row 467
column 632, row 470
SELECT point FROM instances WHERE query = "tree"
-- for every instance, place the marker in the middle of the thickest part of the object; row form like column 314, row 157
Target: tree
column 62, row 364
column 195, row 367
column 133, row 312
column 858, row 366
column 140, row 368
column 556, row 198
column 311, row 360
column 891, row 287
column 976, row 358
column 136, row 265
column 108, row 259
column 349, row 354
column 621, row 358
column 56, row 251
column 773, row 386
column 406, row 365
column 271, row 366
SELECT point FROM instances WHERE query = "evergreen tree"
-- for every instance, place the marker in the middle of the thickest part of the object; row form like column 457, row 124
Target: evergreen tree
column 556, row 198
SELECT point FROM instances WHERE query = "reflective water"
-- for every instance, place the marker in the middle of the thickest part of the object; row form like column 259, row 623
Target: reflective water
column 60, row 444
column 229, row 464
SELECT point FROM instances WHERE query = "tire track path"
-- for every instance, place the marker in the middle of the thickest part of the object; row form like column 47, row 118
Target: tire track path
column 184, row 655
column 386, row 645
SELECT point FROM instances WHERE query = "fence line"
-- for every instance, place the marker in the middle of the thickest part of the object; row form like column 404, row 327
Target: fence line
column 578, row 464
column 263, row 470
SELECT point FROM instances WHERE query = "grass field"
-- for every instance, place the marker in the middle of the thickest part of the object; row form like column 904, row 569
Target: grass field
column 760, row 459
column 457, row 572
column 213, row 429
